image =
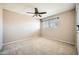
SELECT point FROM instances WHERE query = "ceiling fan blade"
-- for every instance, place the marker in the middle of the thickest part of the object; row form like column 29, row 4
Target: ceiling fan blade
column 36, row 10
column 42, row 12
column 40, row 15
column 30, row 12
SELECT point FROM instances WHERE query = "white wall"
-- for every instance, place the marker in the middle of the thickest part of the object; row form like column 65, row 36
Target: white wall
column 65, row 30
column 77, row 13
column 1, row 27
column 18, row 26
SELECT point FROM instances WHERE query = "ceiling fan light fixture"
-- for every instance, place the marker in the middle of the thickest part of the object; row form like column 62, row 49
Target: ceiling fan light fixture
column 37, row 13
column 37, row 17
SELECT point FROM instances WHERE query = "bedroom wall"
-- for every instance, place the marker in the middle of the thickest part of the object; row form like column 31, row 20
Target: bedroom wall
column 18, row 26
column 77, row 23
column 1, row 27
column 65, row 30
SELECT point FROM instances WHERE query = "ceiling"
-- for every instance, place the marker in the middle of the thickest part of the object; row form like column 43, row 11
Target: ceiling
column 50, row 8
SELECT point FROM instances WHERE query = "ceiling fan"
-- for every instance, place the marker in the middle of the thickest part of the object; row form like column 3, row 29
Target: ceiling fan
column 37, row 13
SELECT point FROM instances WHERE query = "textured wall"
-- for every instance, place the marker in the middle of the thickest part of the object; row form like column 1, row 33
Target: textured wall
column 18, row 26
column 65, row 31
column 1, row 27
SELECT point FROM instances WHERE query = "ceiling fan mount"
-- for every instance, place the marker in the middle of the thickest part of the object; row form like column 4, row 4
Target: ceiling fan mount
column 36, row 13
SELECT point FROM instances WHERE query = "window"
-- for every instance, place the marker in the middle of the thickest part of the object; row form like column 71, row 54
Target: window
column 50, row 23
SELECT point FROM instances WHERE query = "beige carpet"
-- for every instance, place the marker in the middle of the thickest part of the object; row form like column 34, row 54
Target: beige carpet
column 38, row 46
